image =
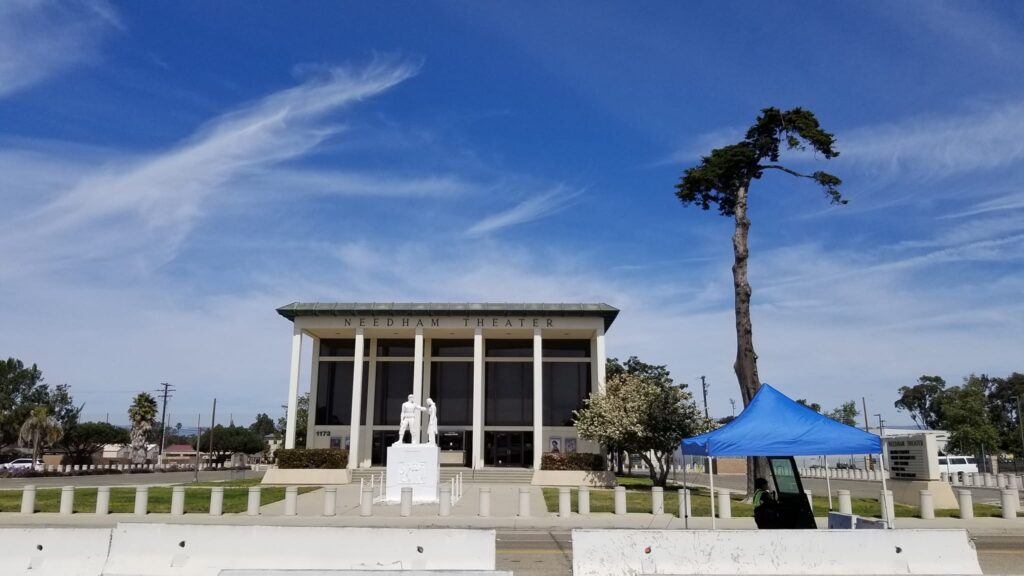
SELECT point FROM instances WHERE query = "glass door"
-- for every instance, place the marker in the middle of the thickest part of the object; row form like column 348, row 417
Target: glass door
column 794, row 510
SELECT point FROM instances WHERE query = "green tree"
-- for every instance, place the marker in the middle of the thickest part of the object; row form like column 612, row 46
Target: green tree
column 263, row 425
column 642, row 415
column 813, row 405
column 723, row 179
column 228, row 440
column 39, row 431
column 845, row 413
column 142, row 416
column 965, row 415
column 1004, row 403
column 301, row 421
column 83, row 440
column 922, row 401
column 21, row 390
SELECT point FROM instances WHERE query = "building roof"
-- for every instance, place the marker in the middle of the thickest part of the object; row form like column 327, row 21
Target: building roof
column 179, row 448
column 296, row 309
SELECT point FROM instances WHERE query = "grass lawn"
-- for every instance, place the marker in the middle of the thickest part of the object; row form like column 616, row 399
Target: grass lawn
column 122, row 499
column 638, row 499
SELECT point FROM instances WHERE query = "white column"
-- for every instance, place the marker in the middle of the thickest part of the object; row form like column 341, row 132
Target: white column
column 357, row 400
column 417, row 385
column 599, row 358
column 293, row 389
column 371, row 399
column 538, row 398
column 314, row 378
column 478, row 399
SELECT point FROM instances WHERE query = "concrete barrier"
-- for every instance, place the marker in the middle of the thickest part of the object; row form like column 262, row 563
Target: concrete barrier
column 724, row 504
column 177, row 500
column 217, row 501
column 1009, row 501
column 583, row 500
column 927, row 506
column 28, row 499
column 657, row 500
column 205, row 550
column 564, row 502
column 484, row 505
column 253, row 504
column 291, row 500
column 53, row 551
column 444, row 504
column 330, row 500
column 713, row 552
column 966, row 505
column 103, row 500
column 67, row 500
column 845, row 505
column 141, row 500
column 620, row 500
column 524, row 502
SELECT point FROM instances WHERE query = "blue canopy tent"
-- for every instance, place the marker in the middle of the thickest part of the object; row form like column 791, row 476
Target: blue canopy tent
column 774, row 425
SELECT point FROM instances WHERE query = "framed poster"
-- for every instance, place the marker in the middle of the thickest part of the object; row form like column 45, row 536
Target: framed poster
column 570, row 445
column 555, row 445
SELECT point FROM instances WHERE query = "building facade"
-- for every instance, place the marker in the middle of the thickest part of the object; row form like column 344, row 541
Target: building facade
column 506, row 377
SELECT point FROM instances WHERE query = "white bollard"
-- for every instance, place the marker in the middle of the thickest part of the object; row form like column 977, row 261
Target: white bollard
column 990, row 480
column 141, row 500
column 217, row 501
column 291, row 500
column 845, row 505
column 927, row 505
column 564, row 502
column 966, row 505
column 67, row 500
column 366, row 501
column 484, row 506
column 406, row 502
column 583, row 500
column 657, row 500
column 620, row 500
column 444, row 504
column 253, row 505
column 103, row 500
column 330, row 500
column 724, row 504
column 685, row 505
column 810, row 499
column 943, row 477
column 177, row 500
column 885, row 497
column 28, row 499
column 1009, row 502
column 524, row 502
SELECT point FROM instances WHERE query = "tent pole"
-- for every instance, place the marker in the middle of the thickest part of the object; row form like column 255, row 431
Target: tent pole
column 711, row 476
column 885, row 505
column 828, row 482
column 682, row 494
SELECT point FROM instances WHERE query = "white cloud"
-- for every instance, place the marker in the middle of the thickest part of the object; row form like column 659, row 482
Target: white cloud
column 533, row 208
column 141, row 209
column 40, row 38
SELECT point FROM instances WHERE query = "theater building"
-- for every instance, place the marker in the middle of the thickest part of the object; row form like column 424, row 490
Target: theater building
column 506, row 377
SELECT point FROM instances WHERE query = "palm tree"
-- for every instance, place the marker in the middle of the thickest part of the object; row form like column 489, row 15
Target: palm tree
column 39, row 430
column 142, row 414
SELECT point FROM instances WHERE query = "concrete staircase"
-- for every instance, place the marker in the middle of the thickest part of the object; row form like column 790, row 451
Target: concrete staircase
column 482, row 476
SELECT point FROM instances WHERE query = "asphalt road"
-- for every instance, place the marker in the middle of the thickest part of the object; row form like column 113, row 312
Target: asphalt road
column 549, row 553
column 146, row 479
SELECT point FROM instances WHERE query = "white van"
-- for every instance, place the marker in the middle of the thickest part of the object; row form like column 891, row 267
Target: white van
column 953, row 464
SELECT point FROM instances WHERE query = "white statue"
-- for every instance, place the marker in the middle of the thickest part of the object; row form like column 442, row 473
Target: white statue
column 409, row 409
column 431, row 422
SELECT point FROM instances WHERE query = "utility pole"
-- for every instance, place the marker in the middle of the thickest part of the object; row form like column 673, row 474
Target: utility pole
column 704, row 387
column 1020, row 424
column 213, row 422
column 733, row 402
column 867, row 428
column 165, row 394
column 199, row 433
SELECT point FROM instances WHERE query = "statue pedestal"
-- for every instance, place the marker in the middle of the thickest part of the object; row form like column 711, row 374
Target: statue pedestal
column 413, row 466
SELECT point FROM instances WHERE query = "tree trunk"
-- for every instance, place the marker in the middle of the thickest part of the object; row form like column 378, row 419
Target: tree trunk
column 746, row 358
column 652, row 471
column 35, row 450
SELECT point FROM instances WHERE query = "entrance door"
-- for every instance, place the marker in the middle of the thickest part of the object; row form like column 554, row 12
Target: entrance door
column 508, row 449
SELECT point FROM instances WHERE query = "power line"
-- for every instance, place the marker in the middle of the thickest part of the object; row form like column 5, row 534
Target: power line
column 165, row 393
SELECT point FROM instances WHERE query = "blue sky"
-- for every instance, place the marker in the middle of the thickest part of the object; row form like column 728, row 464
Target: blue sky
column 172, row 173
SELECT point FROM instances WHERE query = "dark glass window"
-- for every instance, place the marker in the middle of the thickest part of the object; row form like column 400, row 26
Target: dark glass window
column 566, row 385
column 566, row 348
column 394, row 384
column 452, row 348
column 497, row 348
column 508, row 394
column 334, row 394
column 338, row 347
column 395, row 347
column 451, row 387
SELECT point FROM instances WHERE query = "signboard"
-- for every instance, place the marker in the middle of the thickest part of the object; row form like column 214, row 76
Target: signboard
column 912, row 457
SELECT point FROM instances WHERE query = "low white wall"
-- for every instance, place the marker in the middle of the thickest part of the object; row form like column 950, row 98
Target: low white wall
column 797, row 552
column 603, row 479
column 197, row 550
column 306, row 477
column 53, row 551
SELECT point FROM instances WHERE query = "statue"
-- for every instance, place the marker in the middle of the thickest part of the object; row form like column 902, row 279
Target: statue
column 409, row 409
column 431, row 422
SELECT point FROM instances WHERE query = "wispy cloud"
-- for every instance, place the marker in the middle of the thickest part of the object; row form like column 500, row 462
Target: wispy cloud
column 533, row 208
column 144, row 207
column 40, row 38
column 312, row 182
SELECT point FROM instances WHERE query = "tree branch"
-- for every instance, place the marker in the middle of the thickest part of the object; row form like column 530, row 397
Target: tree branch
column 787, row 171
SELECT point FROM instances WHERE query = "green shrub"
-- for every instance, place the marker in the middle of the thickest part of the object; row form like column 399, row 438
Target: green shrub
column 311, row 458
column 572, row 461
